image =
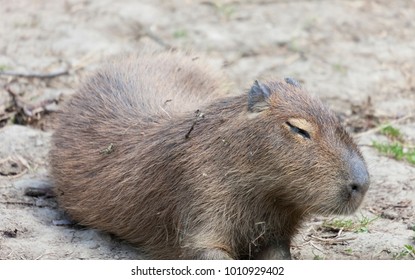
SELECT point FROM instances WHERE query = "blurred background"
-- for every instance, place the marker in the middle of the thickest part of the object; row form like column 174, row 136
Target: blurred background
column 358, row 56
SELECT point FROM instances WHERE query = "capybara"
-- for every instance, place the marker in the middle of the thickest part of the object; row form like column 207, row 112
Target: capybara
column 154, row 149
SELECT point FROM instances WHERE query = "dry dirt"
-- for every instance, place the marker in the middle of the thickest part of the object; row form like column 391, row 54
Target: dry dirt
column 358, row 56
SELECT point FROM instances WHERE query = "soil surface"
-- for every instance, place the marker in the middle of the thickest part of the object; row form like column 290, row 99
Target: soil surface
column 358, row 56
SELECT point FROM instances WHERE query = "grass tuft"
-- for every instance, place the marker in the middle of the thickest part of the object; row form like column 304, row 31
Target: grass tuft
column 408, row 250
column 358, row 226
column 391, row 132
column 396, row 150
column 225, row 10
column 396, row 147
column 181, row 33
column 342, row 69
column 3, row 67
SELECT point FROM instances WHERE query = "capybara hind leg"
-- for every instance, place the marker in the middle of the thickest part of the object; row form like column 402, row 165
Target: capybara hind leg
column 279, row 250
column 212, row 254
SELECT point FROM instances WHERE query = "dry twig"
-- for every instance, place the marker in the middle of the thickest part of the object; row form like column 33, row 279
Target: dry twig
column 198, row 116
column 378, row 128
column 35, row 75
column 336, row 240
column 26, row 112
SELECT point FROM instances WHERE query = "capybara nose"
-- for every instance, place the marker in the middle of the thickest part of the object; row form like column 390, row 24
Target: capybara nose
column 359, row 176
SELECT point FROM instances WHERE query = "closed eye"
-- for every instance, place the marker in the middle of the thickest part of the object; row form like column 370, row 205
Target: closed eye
column 298, row 130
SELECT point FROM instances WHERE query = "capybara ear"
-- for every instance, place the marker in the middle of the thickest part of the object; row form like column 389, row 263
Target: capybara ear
column 258, row 97
column 292, row 82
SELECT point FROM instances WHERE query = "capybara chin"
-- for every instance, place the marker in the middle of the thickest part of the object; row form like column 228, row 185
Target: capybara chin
column 154, row 149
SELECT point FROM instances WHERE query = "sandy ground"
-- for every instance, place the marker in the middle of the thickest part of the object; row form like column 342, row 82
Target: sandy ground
column 358, row 56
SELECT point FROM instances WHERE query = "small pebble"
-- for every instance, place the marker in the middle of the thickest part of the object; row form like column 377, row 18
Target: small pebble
column 389, row 215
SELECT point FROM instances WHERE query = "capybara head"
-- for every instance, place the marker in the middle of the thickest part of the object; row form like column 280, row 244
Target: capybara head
column 318, row 167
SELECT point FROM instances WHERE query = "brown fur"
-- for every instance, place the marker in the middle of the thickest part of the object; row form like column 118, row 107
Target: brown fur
column 132, row 157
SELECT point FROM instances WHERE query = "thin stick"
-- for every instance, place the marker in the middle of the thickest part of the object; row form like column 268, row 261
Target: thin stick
column 19, row 203
column 157, row 39
column 15, row 99
column 199, row 116
column 376, row 129
column 26, row 109
column 333, row 240
column 35, row 75
column 316, row 247
column 29, row 204
column 6, row 116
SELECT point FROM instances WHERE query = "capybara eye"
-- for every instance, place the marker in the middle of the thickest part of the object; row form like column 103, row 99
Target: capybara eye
column 298, row 130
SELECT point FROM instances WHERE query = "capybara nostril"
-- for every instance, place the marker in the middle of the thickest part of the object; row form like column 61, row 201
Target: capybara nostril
column 360, row 180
